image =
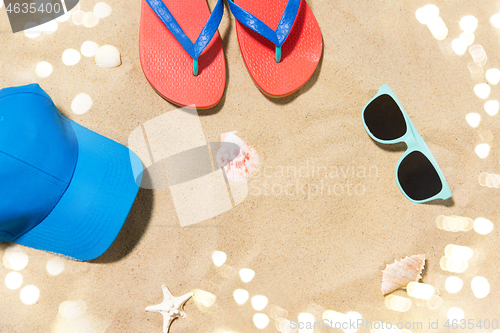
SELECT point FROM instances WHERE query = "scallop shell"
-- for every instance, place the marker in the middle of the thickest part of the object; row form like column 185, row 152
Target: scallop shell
column 237, row 168
column 402, row 272
column 107, row 56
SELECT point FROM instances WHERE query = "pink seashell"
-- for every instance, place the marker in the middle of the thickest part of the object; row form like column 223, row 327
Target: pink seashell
column 402, row 272
column 237, row 165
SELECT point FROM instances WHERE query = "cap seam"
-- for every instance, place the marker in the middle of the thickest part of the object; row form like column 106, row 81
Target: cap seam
column 39, row 95
column 11, row 235
column 62, row 194
column 26, row 92
column 34, row 167
column 58, row 113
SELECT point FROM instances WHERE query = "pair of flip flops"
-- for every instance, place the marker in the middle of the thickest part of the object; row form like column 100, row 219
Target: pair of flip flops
column 280, row 60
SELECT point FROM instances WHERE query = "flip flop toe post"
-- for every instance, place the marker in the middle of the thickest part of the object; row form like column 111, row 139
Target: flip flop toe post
column 183, row 72
column 280, row 41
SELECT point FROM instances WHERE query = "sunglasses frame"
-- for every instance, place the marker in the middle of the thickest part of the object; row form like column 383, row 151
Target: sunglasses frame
column 414, row 142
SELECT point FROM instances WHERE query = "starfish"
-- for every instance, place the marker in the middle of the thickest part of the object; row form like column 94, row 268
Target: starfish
column 171, row 307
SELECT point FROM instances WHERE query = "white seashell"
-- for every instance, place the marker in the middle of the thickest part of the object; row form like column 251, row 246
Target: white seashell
column 402, row 272
column 107, row 56
column 237, row 165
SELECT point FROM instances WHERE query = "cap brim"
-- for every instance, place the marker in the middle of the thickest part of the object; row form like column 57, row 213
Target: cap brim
column 92, row 211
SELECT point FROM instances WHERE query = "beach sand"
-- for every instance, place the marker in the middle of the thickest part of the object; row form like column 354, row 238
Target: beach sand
column 314, row 248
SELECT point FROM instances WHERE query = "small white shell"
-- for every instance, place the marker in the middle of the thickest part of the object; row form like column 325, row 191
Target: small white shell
column 107, row 56
column 402, row 272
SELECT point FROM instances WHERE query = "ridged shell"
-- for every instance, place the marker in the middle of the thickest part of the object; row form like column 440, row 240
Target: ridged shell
column 402, row 272
column 240, row 167
column 107, row 56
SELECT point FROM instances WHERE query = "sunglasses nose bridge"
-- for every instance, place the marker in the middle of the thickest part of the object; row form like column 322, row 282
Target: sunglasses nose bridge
column 410, row 140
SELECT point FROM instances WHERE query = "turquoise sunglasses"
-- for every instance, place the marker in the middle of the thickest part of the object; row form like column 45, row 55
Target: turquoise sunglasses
column 417, row 173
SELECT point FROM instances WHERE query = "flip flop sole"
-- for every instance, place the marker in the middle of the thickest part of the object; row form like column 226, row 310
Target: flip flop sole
column 301, row 51
column 169, row 68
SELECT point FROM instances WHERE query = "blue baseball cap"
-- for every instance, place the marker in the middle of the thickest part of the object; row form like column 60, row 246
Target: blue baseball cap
column 64, row 189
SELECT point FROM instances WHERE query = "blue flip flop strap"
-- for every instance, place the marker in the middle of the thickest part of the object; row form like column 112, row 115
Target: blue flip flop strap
column 206, row 35
column 279, row 36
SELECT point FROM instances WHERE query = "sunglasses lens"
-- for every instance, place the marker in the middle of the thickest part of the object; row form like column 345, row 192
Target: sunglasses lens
column 384, row 119
column 418, row 177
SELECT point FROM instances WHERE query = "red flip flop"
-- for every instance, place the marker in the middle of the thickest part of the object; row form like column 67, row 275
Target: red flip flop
column 183, row 72
column 280, row 41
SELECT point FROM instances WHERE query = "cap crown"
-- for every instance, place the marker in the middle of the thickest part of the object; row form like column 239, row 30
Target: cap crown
column 38, row 154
